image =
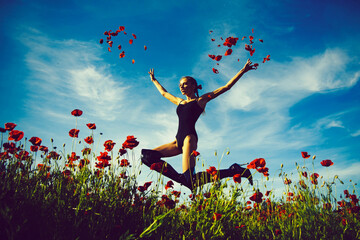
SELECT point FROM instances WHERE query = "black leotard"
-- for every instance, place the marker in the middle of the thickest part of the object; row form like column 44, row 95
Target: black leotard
column 188, row 115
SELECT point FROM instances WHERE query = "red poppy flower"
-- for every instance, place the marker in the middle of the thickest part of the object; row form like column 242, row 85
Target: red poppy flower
column 89, row 140
column 34, row 148
column 74, row 133
column 159, row 167
column 103, row 157
column 15, row 135
column 76, row 112
column 218, row 58
column 123, row 175
column 346, row 192
column 145, row 47
column 217, row 216
column 122, row 54
column 131, row 41
column 121, row 28
column 304, row 174
column 53, row 155
column 169, row 184
column 35, row 141
column 257, row 163
column 101, row 41
column 256, row 197
column 133, row 61
column 124, row 163
column 212, row 171
column 249, row 48
column 305, row 155
column 134, row 36
column 237, row 178
column 195, row 153
column 264, row 170
column 109, row 145
column 313, row 178
column 228, row 52
column 327, row 163
column 277, row 232
column 144, row 187
column 119, row 47
column 122, row 151
column 43, row 149
column 130, row 142
column 86, row 151
column 10, row 126
column 215, row 70
column 176, row 193
column 287, row 181
column 91, row 126
column 267, row 193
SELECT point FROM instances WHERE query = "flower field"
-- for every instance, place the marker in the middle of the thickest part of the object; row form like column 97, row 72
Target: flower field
column 46, row 193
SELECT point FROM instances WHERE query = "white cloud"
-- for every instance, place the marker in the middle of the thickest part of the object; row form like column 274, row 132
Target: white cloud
column 356, row 133
column 253, row 116
column 63, row 75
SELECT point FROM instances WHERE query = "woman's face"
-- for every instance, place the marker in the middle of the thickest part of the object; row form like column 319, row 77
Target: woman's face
column 186, row 87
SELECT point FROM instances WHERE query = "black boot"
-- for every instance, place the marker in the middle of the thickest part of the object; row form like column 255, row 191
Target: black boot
column 237, row 169
column 202, row 178
column 149, row 157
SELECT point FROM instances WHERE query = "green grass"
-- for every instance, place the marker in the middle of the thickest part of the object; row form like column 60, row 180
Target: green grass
column 69, row 202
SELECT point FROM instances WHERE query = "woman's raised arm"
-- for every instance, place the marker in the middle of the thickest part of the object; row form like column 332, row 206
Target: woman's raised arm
column 211, row 95
column 162, row 90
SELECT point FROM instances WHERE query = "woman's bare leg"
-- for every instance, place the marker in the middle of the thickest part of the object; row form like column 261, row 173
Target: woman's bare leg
column 188, row 159
column 168, row 149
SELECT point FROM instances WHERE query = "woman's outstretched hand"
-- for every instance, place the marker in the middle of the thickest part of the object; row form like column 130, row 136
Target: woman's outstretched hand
column 248, row 66
column 152, row 76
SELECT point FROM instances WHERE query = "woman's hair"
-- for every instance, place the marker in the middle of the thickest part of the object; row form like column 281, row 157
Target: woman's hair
column 193, row 81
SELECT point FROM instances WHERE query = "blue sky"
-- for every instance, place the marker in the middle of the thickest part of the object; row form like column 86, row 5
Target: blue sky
column 306, row 98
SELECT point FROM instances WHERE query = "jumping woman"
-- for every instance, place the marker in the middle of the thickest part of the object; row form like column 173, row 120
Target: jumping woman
column 188, row 111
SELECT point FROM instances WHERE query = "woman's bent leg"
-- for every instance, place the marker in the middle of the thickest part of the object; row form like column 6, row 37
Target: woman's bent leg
column 151, row 158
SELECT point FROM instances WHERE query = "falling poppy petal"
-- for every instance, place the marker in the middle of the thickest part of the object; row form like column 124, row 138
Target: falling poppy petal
column 133, row 61
column 122, row 54
column 211, row 56
column 213, row 39
column 109, row 49
column 131, row 41
column 261, row 40
column 121, row 28
column 101, row 41
column 134, row 36
column 218, row 58
column 145, row 47
column 215, row 70
column 228, row 52
column 119, row 47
